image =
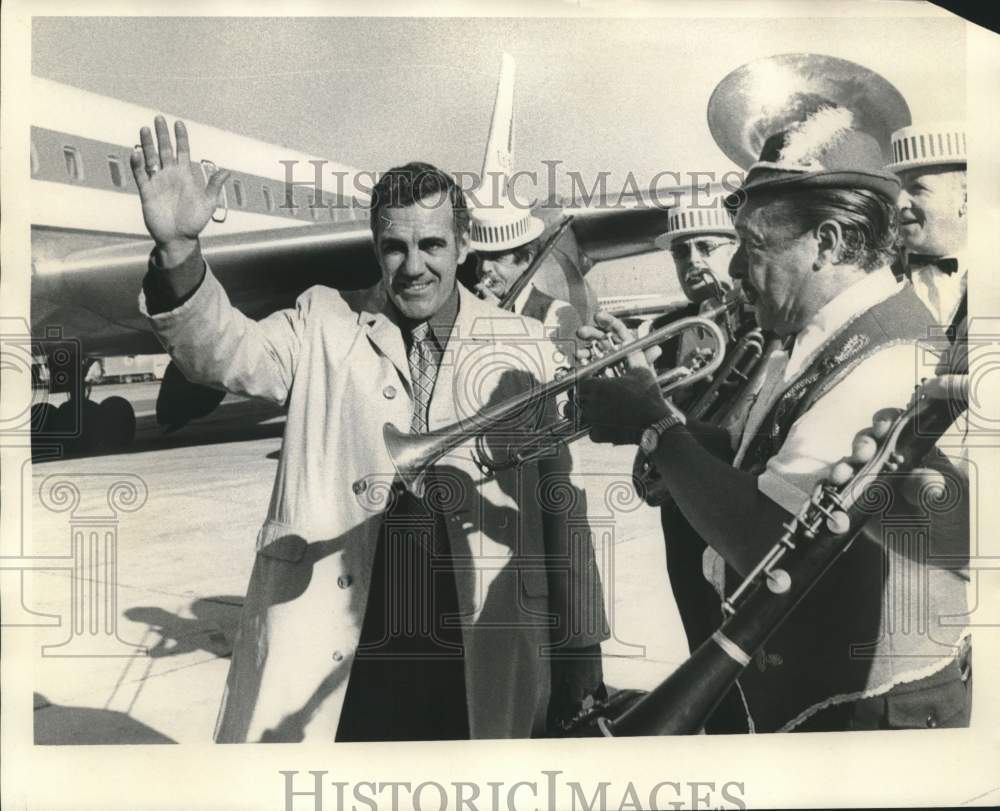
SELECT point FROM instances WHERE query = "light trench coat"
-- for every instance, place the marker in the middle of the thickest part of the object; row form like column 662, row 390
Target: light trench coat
column 521, row 545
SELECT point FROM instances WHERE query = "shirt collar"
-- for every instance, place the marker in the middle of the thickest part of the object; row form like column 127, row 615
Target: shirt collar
column 864, row 294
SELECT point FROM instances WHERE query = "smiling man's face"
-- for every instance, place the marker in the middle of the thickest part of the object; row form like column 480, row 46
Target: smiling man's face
column 419, row 253
column 932, row 208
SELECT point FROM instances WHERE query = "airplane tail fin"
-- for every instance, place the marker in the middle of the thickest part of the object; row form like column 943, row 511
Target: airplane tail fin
column 498, row 163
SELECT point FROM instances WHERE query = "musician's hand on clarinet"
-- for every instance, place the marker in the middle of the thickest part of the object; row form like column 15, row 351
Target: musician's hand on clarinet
column 177, row 203
column 921, row 485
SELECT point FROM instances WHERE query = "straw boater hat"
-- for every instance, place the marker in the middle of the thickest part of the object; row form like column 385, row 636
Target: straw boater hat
column 935, row 144
column 502, row 228
column 685, row 220
column 822, row 151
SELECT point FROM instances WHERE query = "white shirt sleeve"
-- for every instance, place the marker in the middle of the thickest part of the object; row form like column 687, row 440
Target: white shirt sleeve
column 824, row 434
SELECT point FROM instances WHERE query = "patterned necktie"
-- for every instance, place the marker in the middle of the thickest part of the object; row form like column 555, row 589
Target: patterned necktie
column 422, row 373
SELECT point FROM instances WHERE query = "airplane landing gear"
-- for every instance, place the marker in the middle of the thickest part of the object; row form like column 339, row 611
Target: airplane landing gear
column 80, row 425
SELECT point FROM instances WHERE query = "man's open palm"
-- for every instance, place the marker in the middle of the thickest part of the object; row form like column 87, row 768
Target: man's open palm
column 177, row 203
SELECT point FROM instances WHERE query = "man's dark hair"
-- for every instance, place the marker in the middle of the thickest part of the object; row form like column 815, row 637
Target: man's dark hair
column 523, row 254
column 403, row 186
column 867, row 219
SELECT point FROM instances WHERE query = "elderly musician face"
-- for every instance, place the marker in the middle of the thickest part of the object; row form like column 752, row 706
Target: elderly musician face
column 419, row 252
column 932, row 207
column 699, row 258
column 777, row 264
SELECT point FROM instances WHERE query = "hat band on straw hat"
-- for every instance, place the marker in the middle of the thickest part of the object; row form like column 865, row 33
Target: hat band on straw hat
column 684, row 222
column 929, row 145
column 503, row 232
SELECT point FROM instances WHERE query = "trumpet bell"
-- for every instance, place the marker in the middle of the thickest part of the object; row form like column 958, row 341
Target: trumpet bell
column 766, row 96
column 411, row 454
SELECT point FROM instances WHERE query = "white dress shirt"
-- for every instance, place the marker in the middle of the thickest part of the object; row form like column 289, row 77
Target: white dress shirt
column 939, row 291
column 824, row 434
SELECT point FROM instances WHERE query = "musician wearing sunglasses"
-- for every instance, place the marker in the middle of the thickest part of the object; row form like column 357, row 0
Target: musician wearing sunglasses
column 817, row 224
column 702, row 242
column 506, row 241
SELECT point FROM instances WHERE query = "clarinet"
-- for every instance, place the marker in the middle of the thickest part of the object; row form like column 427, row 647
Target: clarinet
column 810, row 544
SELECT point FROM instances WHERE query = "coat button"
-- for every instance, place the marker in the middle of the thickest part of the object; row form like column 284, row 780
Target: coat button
column 389, row 392
column 345, row 581
column 338, row 656
column 359, row 487
column 932, row 721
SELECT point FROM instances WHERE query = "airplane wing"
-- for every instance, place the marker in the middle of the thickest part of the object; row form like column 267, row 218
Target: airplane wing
column 89, row 289
column 266, row 270
column 262, row 271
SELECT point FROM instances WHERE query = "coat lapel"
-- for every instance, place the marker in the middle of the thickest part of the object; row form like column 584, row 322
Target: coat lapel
column 386, row 337
column 471, row 324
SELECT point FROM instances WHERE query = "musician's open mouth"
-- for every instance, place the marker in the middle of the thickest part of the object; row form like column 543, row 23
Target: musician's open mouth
column 749, row 293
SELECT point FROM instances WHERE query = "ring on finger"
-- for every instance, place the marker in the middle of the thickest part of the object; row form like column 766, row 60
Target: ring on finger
column 153, row 169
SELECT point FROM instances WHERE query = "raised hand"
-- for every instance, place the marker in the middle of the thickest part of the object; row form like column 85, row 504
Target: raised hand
column 177, row 203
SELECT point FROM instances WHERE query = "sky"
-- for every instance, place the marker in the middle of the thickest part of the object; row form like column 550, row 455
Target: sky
column 600, row 95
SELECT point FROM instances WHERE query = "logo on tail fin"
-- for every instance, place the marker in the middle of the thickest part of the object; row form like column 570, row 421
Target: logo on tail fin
column 498, row 163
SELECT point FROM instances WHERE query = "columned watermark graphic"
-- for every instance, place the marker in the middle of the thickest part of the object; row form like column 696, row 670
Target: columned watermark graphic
column 93, row 558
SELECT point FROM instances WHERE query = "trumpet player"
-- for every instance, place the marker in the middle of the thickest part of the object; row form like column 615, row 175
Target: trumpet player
column 506, row 240
column 358, row 623
column 701, row 241
column 816, row 220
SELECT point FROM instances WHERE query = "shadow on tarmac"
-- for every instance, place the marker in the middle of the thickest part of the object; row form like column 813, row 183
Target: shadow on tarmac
column 235, row 420
column 62, row 725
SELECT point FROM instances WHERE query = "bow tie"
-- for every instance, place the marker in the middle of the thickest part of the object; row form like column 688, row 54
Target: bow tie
column 919, row 261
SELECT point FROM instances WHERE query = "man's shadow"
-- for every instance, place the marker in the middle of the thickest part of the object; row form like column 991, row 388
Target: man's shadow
column 211, row 629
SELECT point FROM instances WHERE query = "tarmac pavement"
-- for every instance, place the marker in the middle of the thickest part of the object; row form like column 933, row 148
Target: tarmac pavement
column 146, row 662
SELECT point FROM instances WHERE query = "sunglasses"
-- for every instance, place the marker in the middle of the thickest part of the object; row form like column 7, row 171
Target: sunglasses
column 706, row 247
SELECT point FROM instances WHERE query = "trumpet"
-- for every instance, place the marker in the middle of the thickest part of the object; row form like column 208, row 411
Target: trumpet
column 734, row 375
column 743, row 365
column 809, row 545
column 413, row 454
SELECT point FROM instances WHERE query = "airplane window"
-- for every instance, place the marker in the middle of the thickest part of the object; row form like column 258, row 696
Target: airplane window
column 208, row 168
column 115, row 168
column 34, row 159
column 74, row 163
column 268, row 200
column 238, row 193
